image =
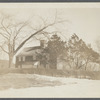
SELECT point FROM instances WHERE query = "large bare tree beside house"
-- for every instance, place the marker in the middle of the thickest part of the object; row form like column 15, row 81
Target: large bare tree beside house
column 11, row 30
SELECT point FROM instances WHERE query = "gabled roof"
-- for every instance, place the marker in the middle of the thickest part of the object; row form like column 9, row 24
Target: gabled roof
column 32, row 48
column 30, row 51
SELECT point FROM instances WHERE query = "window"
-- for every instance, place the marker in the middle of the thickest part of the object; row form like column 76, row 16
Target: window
column 34, row 57
column 23, row 58
column 19, row 58
column 29, row 58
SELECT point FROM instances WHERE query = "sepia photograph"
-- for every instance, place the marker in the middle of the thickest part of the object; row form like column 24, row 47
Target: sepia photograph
column 50, row 50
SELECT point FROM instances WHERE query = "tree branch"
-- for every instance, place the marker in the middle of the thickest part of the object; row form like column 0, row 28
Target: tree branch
column 28, row 39
column 4, row 27
column 18, row 31
column 4, row 36
column 4, row 49
column 35, row 34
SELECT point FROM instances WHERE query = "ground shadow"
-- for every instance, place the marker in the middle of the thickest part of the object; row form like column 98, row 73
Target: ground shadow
column 25, row 81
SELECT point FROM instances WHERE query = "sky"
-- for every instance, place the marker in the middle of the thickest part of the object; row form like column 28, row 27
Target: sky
column 82, row 19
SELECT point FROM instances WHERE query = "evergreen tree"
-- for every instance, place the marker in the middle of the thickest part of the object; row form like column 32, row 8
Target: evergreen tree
column 56, row 48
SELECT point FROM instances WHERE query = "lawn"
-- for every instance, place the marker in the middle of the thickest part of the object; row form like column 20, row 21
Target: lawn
column 33, row 85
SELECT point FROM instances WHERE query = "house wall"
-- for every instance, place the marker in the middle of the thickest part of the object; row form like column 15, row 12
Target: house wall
column 30, row 61
column 31, row 64
column 62, row 65
column 22, row 60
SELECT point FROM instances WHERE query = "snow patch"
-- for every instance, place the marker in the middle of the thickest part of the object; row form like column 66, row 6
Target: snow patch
column 71, row 87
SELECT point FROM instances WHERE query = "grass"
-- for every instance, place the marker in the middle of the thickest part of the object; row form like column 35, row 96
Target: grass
column 95, row 75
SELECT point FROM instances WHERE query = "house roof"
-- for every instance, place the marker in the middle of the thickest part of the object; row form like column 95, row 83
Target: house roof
column 30, row 51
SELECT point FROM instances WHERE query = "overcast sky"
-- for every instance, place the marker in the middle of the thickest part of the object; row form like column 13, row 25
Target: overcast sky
column 83, row 19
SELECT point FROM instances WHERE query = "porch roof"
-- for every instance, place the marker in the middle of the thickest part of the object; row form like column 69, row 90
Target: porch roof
column 30, row 51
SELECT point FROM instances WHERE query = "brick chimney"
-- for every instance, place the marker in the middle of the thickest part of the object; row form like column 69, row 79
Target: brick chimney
column 42, row 43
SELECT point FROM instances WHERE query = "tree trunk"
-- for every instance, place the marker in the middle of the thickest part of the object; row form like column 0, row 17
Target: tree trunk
column 77, row 63
column 86, row 65
column 10, row 60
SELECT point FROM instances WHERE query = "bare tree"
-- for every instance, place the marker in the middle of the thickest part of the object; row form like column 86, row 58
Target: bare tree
column 80, row 54
column 10, row 32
